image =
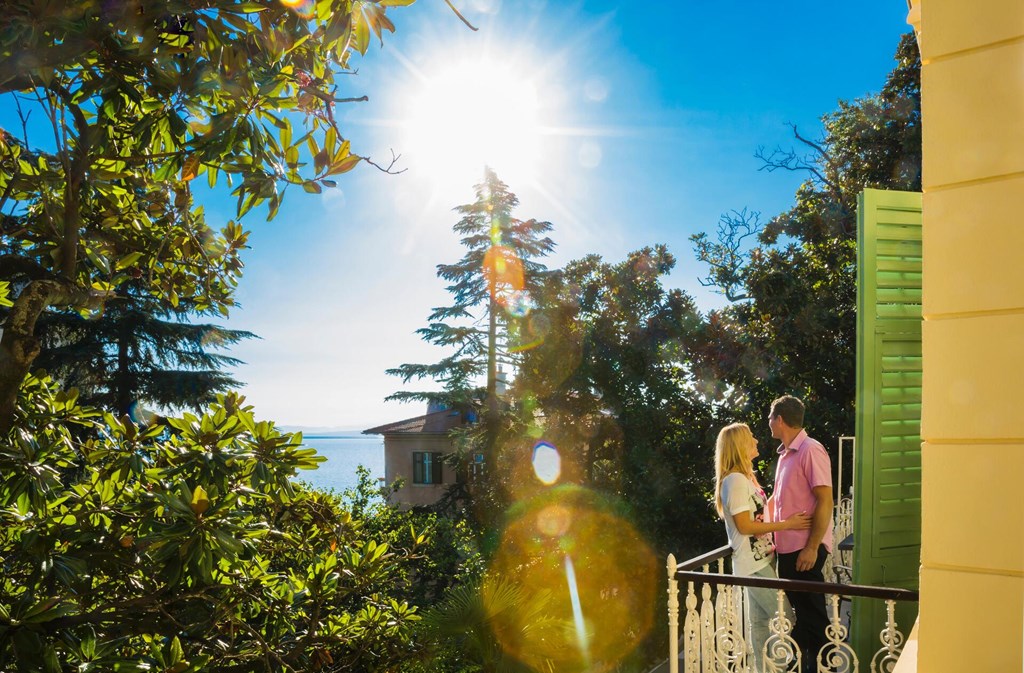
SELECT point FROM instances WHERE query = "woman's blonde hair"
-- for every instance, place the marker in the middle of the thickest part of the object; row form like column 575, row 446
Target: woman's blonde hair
column 732, row 454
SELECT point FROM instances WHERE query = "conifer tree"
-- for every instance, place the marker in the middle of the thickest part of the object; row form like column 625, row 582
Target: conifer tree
column 139, row 351
column 492, row 287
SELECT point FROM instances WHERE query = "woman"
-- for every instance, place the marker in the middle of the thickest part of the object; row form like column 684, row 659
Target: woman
column 740, row 501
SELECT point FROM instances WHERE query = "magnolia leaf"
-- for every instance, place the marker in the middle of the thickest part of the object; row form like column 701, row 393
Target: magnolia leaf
column 320, row 160
column 200, row 501
column 5, row 293
column 190, row 168
column 345, row 165
column 362, row 40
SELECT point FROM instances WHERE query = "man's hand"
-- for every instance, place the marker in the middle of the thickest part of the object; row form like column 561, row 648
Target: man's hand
column 807, row 558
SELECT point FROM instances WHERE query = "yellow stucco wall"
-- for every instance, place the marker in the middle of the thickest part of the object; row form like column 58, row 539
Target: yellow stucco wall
column 972, row 426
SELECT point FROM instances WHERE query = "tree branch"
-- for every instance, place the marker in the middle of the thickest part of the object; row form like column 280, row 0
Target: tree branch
column 789, row 160
column 461, row 18
column 726, row 256
column 387, row 169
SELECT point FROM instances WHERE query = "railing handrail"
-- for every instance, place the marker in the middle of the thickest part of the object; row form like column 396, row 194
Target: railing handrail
column 860, row 590
column 705, row 559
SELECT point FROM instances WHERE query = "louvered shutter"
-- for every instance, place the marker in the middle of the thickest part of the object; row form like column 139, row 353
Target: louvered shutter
column 887, row 486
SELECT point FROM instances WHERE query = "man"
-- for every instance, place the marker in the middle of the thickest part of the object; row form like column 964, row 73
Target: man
column 803, row 483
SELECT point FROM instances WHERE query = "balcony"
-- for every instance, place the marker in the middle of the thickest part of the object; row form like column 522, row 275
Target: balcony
column 714, row 637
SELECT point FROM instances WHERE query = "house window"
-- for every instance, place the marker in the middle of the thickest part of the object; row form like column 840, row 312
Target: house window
column 426, row 467
column 476, row 468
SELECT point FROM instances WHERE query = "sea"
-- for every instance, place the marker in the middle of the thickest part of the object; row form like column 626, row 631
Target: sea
column 344, row 453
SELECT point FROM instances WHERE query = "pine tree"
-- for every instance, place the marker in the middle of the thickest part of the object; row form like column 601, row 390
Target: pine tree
column 491, row 285
column 139, row 351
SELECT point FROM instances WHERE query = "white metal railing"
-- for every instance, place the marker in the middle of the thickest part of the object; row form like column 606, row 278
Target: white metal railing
column 714, row 637
column 839, row 566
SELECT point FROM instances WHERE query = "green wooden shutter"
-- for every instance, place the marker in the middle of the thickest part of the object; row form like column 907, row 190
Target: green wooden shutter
column 436, row 463
column 887, row 485
column 417, row 467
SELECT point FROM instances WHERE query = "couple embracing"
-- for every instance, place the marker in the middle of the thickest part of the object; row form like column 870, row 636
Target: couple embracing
column 788, row 535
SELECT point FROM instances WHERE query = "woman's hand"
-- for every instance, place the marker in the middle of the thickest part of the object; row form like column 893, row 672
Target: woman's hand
column 798, row 521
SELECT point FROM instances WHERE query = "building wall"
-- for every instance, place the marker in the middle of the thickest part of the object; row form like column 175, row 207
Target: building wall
column 972, row 427
column 398, row 450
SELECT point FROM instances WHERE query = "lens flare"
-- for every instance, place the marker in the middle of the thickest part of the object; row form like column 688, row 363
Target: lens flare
column 140, row 414
column 304, row 8
column 503, row 271
column 554, row 520
column 547, row 464
column 577, row 611
column 601, row 576
column 557, row 363
column 519, row 304
column 532, row 333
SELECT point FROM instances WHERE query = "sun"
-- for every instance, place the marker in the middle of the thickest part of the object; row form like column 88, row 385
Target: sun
column 473, row 113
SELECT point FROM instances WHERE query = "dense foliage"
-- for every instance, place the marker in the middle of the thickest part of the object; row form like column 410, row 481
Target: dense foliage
column 131, row 102
column 447, row 554
column 169, row 548
column 793, row 326
column 608, row 383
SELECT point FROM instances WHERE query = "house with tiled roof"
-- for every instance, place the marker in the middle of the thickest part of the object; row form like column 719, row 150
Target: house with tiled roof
column 414, row 450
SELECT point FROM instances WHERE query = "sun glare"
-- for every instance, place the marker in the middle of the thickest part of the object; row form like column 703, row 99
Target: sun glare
column 475, row 113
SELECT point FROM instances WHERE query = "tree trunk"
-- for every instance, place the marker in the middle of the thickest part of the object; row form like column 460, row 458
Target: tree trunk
column 491, row 420
column 19, row 346
column 492, row 357
column 123, row 389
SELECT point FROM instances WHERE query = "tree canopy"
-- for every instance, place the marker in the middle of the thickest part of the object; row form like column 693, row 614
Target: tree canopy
column 139, row 356
column 491, row 287
column 184, row 547
column 132, row 102
column 608, row 382
column 792, row 328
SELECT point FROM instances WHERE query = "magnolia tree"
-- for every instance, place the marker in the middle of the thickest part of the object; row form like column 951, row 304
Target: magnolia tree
column 185, row 547
column 125, row 104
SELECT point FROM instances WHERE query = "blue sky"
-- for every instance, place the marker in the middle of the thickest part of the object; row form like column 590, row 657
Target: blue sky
column 650, row 116
column 624, row 124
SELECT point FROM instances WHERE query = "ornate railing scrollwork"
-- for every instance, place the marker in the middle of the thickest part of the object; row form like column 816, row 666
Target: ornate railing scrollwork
column 836, row 655
column 885, row 659
column 715, row 637
column 730, row 645
column 781, row 653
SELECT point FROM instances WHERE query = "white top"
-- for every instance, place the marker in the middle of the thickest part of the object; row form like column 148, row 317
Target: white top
column 750, row 553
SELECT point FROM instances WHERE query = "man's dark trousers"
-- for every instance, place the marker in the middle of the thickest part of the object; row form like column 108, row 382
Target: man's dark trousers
column 811, row 618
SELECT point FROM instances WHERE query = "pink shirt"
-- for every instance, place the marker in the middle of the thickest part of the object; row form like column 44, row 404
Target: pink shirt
column 803, row 465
